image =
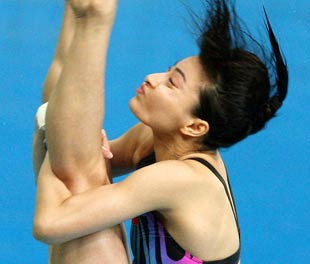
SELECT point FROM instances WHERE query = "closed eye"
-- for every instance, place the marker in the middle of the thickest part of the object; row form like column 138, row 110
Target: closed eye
column 171, row 82
column 171, row 71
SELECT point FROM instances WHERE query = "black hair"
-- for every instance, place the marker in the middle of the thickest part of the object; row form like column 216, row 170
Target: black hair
column 248, row 81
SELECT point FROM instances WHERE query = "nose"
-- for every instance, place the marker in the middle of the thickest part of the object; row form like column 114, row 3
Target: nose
column 155, row 79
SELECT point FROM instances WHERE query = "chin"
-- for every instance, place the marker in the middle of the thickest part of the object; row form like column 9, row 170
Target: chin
column 134, row 108
column 132, row 105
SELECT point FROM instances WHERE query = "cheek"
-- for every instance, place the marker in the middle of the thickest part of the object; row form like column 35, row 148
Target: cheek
column 164, row 113
column 158, row 113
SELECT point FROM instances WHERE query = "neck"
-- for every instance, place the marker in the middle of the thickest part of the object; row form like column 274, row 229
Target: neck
column 176, row 147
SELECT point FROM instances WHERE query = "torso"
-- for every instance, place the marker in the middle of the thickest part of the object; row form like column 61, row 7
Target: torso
column 99, row 248
column 204, row 224
column 153, row 244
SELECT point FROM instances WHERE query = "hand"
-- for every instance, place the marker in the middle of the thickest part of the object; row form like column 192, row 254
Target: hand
column 105, row 146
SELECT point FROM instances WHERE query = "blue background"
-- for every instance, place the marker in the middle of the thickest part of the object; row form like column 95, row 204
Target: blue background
column 269, row 171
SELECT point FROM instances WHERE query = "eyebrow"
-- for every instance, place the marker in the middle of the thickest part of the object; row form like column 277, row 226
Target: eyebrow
column 181, row 73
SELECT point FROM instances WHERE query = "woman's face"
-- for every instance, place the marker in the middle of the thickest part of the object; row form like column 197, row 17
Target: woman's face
column 165, row 100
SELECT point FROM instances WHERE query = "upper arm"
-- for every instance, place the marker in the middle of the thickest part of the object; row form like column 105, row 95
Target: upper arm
column 130, row 148
column 78, row 215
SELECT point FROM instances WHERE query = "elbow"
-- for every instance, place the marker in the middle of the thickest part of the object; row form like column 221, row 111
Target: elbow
column 43, row 231
column 40, row 234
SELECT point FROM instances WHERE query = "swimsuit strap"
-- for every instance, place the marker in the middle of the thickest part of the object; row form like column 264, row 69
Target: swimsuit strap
column 218, row 175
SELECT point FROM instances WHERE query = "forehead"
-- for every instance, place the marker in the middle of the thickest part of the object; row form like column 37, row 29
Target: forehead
column 193, row 70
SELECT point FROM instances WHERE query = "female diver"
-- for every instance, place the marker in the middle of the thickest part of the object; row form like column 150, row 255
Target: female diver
column 181, row 205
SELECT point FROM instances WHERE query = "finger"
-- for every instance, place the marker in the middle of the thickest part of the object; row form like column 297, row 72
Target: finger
column 107, row 153
column 105, row 141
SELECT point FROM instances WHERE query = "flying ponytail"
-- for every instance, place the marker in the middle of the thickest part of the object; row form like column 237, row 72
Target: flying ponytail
column 247, row 82
column 275, row 102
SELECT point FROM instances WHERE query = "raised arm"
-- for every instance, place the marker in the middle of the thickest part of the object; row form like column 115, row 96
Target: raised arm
column 61, row 216
column 75, row 112
column 130, row 148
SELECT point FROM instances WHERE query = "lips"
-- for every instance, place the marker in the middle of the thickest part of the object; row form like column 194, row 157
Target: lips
column 140, row 90
column 144, row 86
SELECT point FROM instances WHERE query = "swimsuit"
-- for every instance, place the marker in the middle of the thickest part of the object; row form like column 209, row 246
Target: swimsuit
column 152, row 244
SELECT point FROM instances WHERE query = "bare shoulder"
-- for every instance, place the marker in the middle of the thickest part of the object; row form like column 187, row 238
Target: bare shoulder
column 168, row 170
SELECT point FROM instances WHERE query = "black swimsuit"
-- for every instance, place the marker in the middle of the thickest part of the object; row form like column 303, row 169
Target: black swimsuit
column 152, row 244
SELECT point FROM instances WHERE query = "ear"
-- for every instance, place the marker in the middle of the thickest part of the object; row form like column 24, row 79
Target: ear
column 196, row 128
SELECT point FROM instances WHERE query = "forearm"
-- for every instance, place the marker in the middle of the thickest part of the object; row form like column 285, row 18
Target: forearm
column 130, row 148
